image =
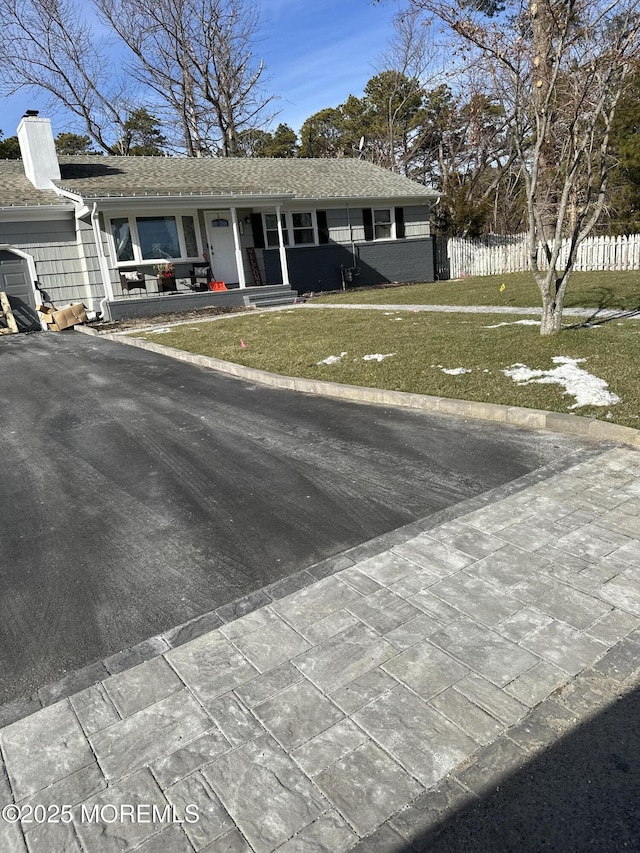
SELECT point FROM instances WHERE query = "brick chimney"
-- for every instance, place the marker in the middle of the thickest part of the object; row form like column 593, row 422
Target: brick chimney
column 38, row 150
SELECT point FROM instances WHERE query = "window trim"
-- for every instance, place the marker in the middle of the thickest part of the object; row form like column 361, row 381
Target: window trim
column 313, row 227
column 138, row 260
column 393, row 222
column 267, row 231
column 289, row 230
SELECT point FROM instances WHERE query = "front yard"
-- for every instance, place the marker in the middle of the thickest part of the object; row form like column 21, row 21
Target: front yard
column 598, row 290
column 418, row 348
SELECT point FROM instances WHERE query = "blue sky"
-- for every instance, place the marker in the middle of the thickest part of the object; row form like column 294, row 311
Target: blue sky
column 315, row 54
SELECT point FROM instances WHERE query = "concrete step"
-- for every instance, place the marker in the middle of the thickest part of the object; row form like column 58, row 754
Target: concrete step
column 270, row 302
column 272, row 295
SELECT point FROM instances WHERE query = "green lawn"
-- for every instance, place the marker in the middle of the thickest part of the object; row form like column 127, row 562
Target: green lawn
column 586, row 289
column 293, row 342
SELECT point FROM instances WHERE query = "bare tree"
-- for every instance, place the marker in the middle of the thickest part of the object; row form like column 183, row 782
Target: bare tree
column 405, row 70
column 558, row 67
column 465, row 152
column 196, row 55
column 48, row 45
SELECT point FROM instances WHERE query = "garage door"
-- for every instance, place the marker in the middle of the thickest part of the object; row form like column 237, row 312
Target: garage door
column 16, row 282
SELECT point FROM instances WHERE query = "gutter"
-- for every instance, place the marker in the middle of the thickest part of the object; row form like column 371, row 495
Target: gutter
column 186, row 200
column 25, row 213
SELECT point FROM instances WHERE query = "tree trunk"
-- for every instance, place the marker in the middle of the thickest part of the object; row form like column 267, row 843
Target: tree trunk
column 552, row 289
column 551, row 321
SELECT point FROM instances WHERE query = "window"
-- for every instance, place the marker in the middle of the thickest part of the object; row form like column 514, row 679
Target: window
column 121, row 233
column 271, row 229
column 158, row 237
column 302, row 228
column 382, row 224
column 299, row 226
column 190, row 239
column 155, row 238
column 385, row 223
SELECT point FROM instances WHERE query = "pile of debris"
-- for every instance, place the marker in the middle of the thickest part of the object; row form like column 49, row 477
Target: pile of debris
column 6, row 316
column 58, row 319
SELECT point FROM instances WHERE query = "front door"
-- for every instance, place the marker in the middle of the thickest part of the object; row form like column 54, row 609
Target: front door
column 16, row 283
column 222, row 250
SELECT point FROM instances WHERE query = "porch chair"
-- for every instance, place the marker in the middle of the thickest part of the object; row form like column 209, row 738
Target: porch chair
column 200, row 277
column 131, row 280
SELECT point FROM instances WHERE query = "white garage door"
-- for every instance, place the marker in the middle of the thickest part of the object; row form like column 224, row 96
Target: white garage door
column 16, row 282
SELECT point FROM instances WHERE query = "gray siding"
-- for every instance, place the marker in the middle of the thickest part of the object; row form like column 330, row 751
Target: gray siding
column 347, row 224
column 338, row 224
column 57, row 250
column 88, row 248
column 318, row 267
column 357, row 224
column 416, row 221
column 68, row 269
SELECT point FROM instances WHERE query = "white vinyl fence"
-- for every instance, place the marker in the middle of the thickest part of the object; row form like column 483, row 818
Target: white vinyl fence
column 495, row 255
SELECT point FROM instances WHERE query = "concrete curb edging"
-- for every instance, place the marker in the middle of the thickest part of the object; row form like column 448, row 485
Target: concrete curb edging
column 588, row 428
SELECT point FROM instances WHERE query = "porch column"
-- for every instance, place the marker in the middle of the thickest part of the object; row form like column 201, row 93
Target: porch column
column 283, row 252
column 238, row 248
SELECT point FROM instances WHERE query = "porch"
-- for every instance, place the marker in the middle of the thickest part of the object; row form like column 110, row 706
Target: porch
column 170, row 303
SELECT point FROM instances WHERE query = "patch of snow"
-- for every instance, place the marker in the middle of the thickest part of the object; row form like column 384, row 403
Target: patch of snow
column 515, row 323
column 456, row 371
column 162, row 331
column 377, row 356
column 332, row 359
column 588, row 390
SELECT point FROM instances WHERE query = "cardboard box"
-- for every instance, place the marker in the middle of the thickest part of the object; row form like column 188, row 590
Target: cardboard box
column 46, row 313
column 58, row 319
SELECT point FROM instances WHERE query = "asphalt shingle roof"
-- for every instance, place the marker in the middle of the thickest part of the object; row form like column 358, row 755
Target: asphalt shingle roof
column 17, row 191
column 99, row 177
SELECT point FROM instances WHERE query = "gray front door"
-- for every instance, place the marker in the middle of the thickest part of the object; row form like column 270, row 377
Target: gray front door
column 16, row 282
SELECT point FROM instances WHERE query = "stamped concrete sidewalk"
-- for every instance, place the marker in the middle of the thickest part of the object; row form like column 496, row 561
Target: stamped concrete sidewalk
column 363, row 706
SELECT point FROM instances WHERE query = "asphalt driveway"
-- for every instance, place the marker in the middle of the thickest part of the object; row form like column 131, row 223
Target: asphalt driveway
column 137, row 492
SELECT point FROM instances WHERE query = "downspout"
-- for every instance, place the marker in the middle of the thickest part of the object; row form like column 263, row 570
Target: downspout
column 102, row 263
column 353, row 245
column 95, row 226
